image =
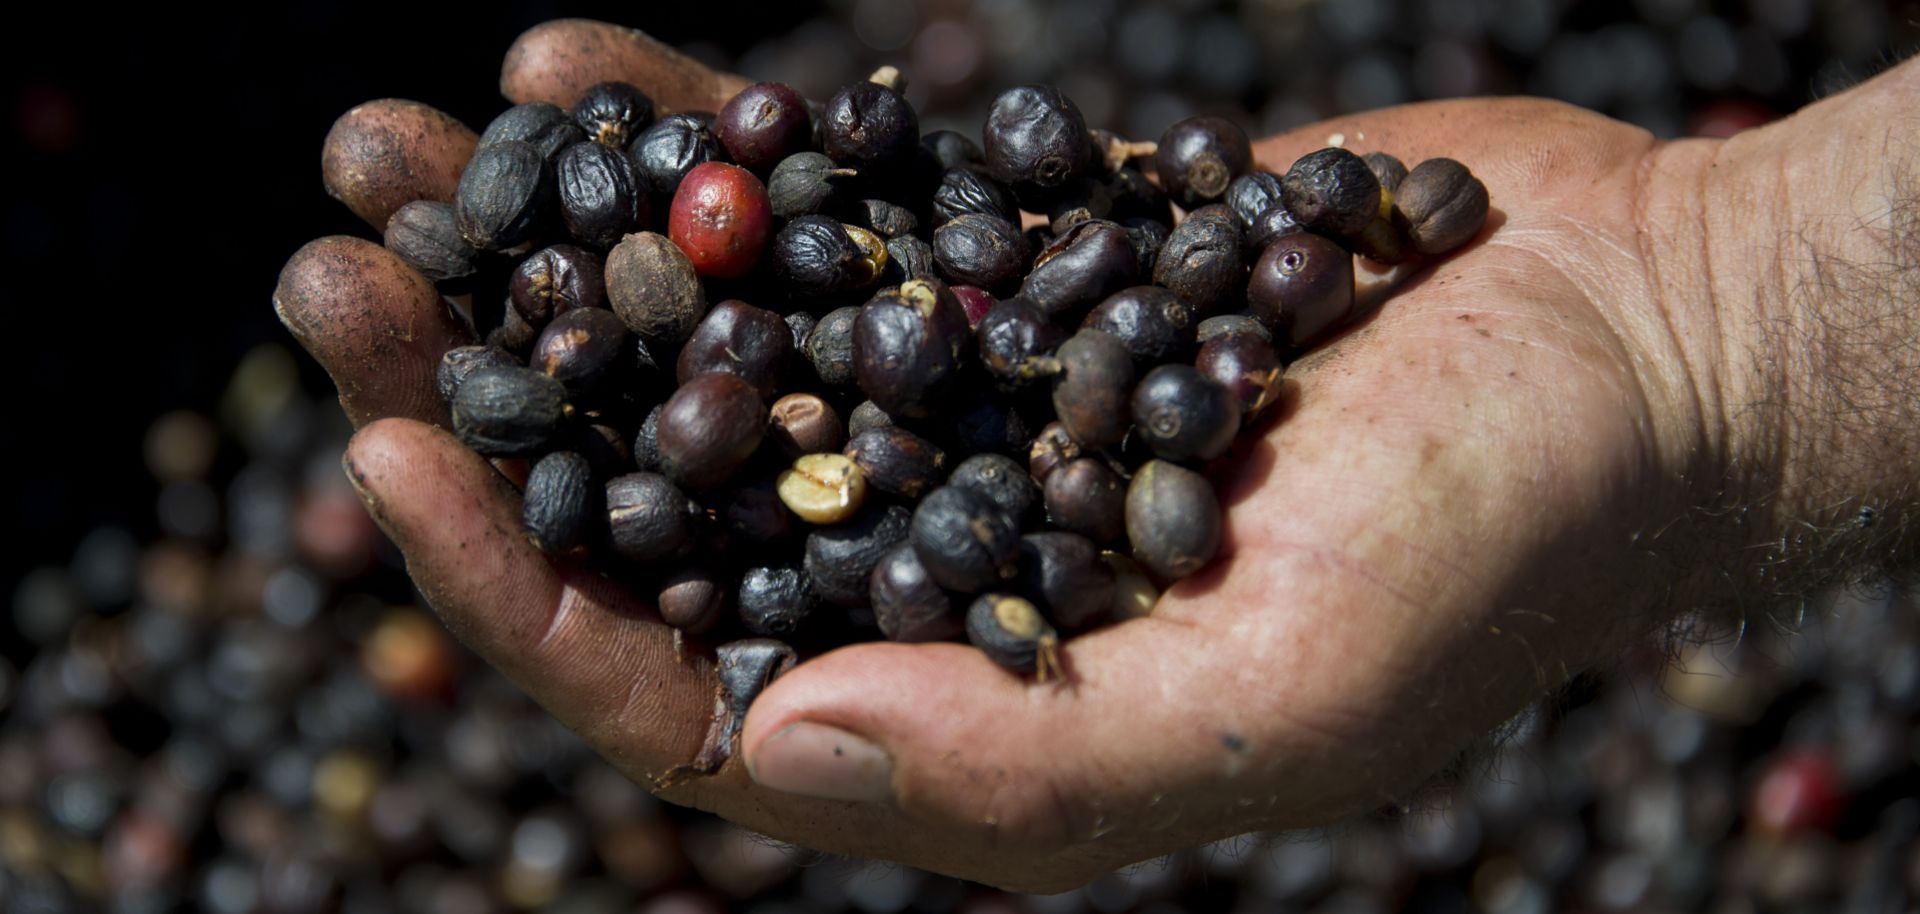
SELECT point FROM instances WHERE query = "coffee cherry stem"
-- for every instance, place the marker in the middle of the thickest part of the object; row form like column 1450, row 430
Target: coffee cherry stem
column 1116, row 151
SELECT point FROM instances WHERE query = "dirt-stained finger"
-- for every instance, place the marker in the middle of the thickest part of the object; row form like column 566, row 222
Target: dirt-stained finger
column 375, row 324
column 557, row 61
column 389, row 152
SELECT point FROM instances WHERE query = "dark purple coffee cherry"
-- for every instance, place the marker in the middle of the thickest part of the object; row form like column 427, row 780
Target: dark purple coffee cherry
column 1001, row 479
column 1133, row 197
column 646, row 442
column 1093, row 387
column 601, row 197
column 951, row 149
column 739, row 339
column 872, row 128
column 840, row 558
column 1012, row 337
column 1184, row 415
column 1203, row 260
column 966, row 542
column 762, row 125
column 1199, row 157
column 667, row 151
column 1093, row 260
column 908, row 258
column 775, row 600
column 909, row 346
column 460, row 362
column 815, row 255
column 542, row 125
column 1254, row 193
column 1147, row 236
column 1035, row 135
column 613, row 113
column 753, row 513
column 563, row 505
column 907, row 604
column 509, row 412
column 586, row 349
column 649, row 519
column 1012, row 633
column 1063, row 575
column 426, row 235
column 1271, row 226
column 888, row 220
column 1228, row 324
column 970, row 191
column 1087, row 497
column 1333, row 192
column 1153, row 323
column 896, row 461
column 555, row 280
column 977, row 250
column 1301, row 288
column 1247, row 366
column 709, row 428
column 1173, row 519
column 1050, row 449
column 504, row 194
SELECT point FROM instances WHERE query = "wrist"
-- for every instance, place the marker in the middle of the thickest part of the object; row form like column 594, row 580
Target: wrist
column 1802, row 286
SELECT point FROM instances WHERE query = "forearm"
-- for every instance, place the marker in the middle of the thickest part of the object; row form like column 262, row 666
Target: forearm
column 1812, row 270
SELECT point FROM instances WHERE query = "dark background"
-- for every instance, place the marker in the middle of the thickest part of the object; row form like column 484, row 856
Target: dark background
column 162, row 170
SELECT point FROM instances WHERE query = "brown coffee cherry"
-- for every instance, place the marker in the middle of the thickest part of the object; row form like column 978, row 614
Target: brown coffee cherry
column 1087, row 497
column 693, row 598
column 1387, row 168
column 1173, row 519
column 1092, row 388
column 830, row 347
column 762, row 125
column 805, row 424
column 1440, row 206
column 653, row 287
column 1012, row 337
column 866, row 417
column 649, row 519
column 709, row 428
column 739, row 339
column 753, row 513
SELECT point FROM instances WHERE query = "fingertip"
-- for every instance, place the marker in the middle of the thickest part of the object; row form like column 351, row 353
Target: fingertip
column 375, row 324
column 557, row 61
column 386, row 153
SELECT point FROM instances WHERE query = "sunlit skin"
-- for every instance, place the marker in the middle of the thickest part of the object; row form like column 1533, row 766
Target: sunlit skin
column 1537, row 450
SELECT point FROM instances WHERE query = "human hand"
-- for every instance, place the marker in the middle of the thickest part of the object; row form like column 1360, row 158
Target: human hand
column 1496, row 481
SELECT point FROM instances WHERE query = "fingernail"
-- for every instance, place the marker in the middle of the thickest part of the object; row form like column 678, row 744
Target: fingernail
column 815, row 760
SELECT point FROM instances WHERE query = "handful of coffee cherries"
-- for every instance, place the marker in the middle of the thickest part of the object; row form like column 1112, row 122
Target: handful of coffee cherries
column 807, row 376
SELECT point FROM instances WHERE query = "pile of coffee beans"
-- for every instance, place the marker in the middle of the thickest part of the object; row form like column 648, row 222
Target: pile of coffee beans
column 799, row 372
